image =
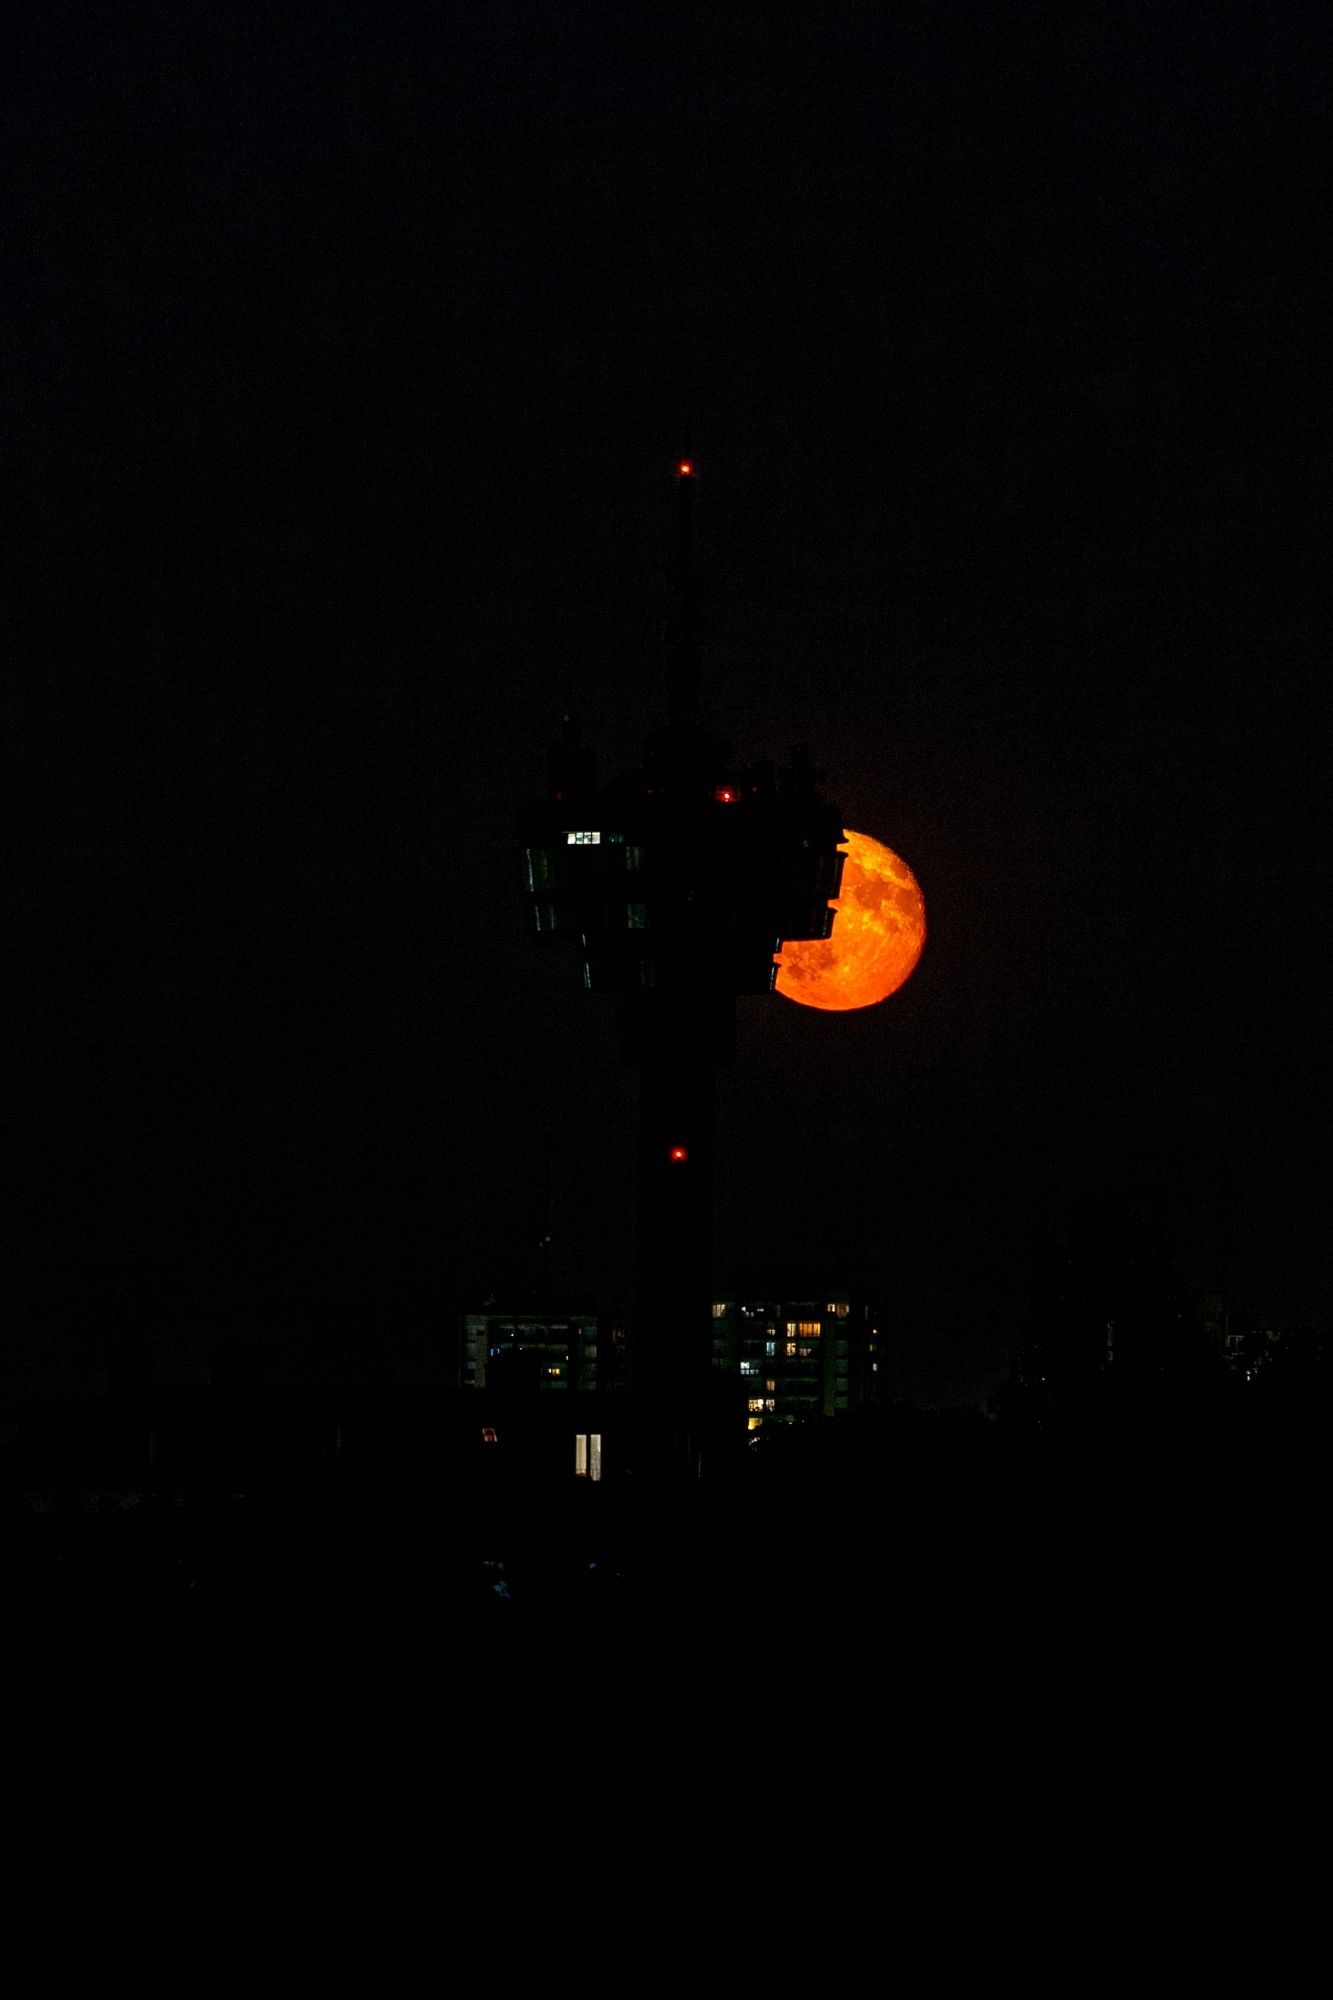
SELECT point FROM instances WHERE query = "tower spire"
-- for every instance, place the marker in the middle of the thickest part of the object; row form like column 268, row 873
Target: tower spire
column 684, row 634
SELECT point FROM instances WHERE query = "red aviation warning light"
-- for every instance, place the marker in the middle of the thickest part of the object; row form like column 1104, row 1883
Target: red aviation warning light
column 686, row 468
column 678, row 1155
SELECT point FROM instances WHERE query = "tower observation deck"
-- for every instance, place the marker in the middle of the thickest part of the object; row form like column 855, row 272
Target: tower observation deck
column 676, row 883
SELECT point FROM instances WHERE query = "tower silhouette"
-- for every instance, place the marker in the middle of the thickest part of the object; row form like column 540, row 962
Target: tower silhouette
column 677, row 882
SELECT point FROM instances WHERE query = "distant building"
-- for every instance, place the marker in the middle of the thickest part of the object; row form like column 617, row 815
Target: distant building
column 542, row 1379
column 795, row 1359
column 1277, row 1353
column 777, row 1360
column 536, row 1351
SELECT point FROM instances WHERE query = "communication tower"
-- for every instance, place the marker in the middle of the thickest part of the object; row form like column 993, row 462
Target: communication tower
column 677, row 883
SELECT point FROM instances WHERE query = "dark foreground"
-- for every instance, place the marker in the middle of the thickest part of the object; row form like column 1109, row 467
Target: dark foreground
column 975, row 1543
column 927, row 1659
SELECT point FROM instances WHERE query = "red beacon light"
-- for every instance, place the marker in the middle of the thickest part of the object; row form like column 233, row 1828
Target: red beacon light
column 686, row 468
column 726, row 795
column 678, row 1155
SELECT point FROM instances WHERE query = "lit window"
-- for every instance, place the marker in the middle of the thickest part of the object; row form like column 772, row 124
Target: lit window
column 719, row 1309
column 808, row 1327
column 583, row 840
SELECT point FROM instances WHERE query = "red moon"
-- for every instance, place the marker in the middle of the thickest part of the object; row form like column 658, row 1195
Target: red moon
column 877, row 938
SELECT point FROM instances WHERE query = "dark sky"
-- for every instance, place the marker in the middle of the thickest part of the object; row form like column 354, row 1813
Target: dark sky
column 348, row 359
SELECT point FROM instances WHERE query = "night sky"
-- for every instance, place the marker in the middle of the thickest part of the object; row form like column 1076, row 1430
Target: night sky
column 348, row 359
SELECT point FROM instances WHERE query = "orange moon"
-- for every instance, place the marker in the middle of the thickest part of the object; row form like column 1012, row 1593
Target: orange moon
column 877, row 938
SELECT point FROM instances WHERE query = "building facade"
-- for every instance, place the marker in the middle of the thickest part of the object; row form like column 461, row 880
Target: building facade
column 796, row 1359
column 535, row 1351
column 776, row 1361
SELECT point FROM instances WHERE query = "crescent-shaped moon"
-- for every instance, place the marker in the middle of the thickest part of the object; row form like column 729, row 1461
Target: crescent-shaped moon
column 878, row 934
